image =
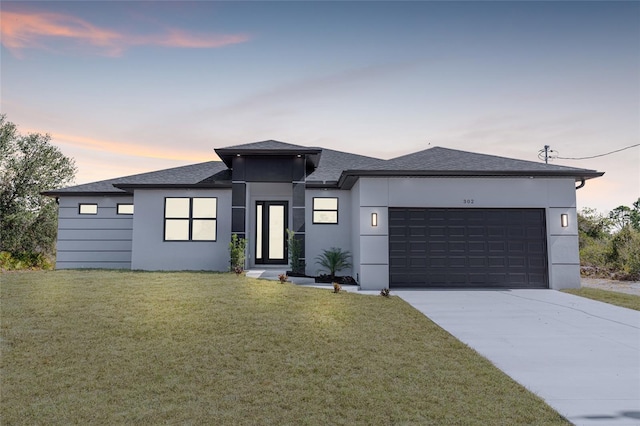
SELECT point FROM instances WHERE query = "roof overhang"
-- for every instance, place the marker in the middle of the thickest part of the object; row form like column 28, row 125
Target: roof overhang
column 130, row 187
column 86, row 193
column 312, row 155
column 349, row 177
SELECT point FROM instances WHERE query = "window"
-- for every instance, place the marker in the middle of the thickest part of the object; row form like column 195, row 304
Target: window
column 125, row 209
column 190, row 219
column 88, row 208
column 325, row 210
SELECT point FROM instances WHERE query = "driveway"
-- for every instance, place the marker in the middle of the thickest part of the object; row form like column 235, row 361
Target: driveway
column 581, row 356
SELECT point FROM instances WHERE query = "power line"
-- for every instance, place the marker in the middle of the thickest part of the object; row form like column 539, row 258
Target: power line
column 596, row 156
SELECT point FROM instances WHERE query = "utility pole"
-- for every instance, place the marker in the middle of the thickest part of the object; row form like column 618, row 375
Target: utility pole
column 546, row 154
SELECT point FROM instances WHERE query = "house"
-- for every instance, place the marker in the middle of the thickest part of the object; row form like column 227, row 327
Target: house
column 434, row 218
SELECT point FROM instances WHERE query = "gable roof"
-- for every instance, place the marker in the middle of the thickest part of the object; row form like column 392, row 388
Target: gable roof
column 331, row 168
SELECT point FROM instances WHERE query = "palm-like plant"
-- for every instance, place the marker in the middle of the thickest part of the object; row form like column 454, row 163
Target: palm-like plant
column 334, row 260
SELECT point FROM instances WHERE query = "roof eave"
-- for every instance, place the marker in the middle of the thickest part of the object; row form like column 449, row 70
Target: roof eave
column 131, row 186
column 86, row 193
column 349, row 177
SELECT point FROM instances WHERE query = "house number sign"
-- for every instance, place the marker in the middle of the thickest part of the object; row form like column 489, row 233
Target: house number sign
column 467, row 201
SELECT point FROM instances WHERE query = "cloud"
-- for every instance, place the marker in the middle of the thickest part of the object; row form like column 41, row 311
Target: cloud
column 38, row 30
column 130, row 149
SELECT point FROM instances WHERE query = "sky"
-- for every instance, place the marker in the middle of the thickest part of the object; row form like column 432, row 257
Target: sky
column 134, row 86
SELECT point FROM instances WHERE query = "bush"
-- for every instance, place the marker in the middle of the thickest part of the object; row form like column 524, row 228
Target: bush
column 334, row 260
column 295, row 253
column 24, row 260
column 237, row 248
column 624, row 252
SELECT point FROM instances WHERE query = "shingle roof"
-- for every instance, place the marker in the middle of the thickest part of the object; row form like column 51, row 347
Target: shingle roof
column 445, row 159
column 334, row 168
column 204, row 174
column 268, row 145
column 333, row 163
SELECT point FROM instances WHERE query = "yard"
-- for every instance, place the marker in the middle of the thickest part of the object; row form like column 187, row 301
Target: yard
column 109, row 347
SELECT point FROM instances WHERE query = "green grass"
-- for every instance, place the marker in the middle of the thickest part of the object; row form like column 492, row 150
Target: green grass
column 106, row 347
column 615, row 298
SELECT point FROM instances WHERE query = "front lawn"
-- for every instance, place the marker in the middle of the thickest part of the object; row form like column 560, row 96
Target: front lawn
column 107, row 347
column 613, row 297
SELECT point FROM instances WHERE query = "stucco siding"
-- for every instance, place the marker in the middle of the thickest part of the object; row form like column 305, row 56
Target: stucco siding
column 555, row 195
column 151, row 252
column 321, row 237
column 102, row 240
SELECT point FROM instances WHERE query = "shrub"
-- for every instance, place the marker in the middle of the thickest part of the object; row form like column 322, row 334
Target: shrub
column 24, row 260
column 336, row 288
column 624, row 252
column 295, row 253
column 334, row 260
column 385, row 292
column 237, row 248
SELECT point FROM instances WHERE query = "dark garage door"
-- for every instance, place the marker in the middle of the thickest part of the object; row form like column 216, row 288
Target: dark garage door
column 477, row 248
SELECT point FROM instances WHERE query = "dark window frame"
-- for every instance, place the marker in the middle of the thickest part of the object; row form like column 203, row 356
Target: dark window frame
column 337, row 210
column 190, row 219
column 123, row 204
column 80, row 205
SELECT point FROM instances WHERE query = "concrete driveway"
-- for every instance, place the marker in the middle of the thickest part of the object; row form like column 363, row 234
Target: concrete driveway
column 581, row 356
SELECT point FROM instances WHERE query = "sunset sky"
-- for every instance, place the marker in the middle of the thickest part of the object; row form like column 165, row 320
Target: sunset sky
column 127, row 87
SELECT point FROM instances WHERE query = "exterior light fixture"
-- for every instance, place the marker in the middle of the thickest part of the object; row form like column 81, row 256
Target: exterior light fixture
column 564, row 220
column 374, row 219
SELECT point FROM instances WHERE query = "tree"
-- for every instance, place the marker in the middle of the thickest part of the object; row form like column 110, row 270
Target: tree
column 593, row 224
column 29, row 165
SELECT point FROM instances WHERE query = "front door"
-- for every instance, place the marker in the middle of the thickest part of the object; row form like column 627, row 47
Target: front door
column 271, row 232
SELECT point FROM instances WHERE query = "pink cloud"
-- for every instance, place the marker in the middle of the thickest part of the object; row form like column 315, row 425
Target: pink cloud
column 28, row 30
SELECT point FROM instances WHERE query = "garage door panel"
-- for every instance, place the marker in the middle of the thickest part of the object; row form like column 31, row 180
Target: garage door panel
column 478, row 262
column 467, row 248
column 436, row 231
column 517, row 262
column 496, row 232
column 496, row 262
column 457, row 247
column 437, row 262
column 457, row 262
column 536, row 262
column 497, row 246
column 436, row 247
column 477, row 246
column 536, row 247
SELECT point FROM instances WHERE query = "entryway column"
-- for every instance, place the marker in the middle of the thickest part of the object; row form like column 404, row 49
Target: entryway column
column 238, row 198
column 298, row 201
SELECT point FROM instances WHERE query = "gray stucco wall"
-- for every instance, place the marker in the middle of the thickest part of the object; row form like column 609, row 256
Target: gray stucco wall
column 150, row 252
column 93, row 241
column 325, row 236
column 556, row 195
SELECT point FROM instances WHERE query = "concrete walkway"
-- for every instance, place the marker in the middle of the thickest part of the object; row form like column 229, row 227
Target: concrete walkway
column 581, row 356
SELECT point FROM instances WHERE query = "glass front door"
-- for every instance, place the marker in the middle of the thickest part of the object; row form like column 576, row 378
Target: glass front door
column 271, row 232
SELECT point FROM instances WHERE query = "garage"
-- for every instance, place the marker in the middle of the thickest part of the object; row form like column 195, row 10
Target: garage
column 467, row 248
